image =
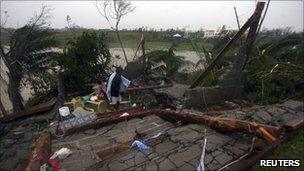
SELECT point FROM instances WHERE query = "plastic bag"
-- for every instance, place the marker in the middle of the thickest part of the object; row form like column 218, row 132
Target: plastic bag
column 62, row 153
column 139, row 145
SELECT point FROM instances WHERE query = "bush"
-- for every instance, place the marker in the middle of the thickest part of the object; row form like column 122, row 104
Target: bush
column 85, row 60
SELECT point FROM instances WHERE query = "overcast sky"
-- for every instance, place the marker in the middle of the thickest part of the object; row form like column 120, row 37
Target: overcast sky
column 192, row 15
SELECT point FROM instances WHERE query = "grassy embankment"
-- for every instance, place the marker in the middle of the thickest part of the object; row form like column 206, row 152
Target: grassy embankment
column 154, row 40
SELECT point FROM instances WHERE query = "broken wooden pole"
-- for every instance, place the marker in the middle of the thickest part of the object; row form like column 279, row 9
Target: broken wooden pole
column 219, row 57
column 30, row 111
column 105, row 121
column 40, row 153
column 268, row 132
column 225, row 124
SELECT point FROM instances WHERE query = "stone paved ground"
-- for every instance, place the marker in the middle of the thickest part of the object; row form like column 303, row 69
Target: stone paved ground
column 180, row 151
column 277, row 114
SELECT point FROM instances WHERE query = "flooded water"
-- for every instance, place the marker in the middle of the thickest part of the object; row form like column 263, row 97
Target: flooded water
column 189, row 55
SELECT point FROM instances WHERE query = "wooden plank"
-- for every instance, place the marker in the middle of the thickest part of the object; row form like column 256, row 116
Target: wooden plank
column 31, row 111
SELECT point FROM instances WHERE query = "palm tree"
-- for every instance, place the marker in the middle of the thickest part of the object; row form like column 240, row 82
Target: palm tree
column 28, row 57
column 276, row 69
column 167, row 60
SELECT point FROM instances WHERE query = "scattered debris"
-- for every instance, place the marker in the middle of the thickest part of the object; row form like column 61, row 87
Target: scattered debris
column 38, row 109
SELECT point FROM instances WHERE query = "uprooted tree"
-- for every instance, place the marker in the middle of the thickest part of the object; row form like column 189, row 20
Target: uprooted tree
column 27, row 57
column 113, row 12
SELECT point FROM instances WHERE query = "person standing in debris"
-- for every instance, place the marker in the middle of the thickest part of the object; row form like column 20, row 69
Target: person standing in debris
column 115, row 86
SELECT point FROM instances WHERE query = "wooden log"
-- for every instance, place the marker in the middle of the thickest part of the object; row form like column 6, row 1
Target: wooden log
column 103, row 121
column 224, row 124
column 268, row 132
column 40, row 153
column 31, row 111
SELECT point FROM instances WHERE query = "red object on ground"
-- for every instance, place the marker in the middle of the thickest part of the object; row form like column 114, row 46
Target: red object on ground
column 55, row 164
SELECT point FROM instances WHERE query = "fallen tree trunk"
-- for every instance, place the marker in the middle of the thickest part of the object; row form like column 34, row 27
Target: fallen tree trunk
column 40, row 153
column 268, row 132
column 31, row 111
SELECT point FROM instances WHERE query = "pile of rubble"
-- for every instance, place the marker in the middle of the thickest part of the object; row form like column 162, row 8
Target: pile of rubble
column 109, row 147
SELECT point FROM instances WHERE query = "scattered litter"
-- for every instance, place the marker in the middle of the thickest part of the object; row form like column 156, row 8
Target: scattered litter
column 54, row 164
column 201, row 166
column 64, row 111
column 155, row 136
column 124, row 115
column 85, row 98
column 80, row 112
column 139, row 145
column 77, row 121
column 93, row 98
column 62, row 153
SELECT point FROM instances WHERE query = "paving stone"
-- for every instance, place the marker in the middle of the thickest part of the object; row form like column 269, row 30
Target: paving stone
column 223, row 158
column 151, row 166
column 287, row 117
column 292, row 104
column 214, row 165
column 216, row 140
column 199, row 128
column 163, row 127
column 129, row 155
column 180, row 158
column 90, row 131
column 180, row 129
column 264, row 115
column 152, row 156
column 145, row 128
column 166, row 165
column 216, row 153
column 186, row 167
column 195, row 161
column 140, row 158
column 208, row 158
column 117, row 166
column 135, row 121
column 93, row 140
column 275, row 111
column 113, row 132
column 125, row 137
column 103, row 130
column 120, row 125
column 151, row 118
column 165, row 147
column 186, row 136
column 73, row 137
column 97, row 146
